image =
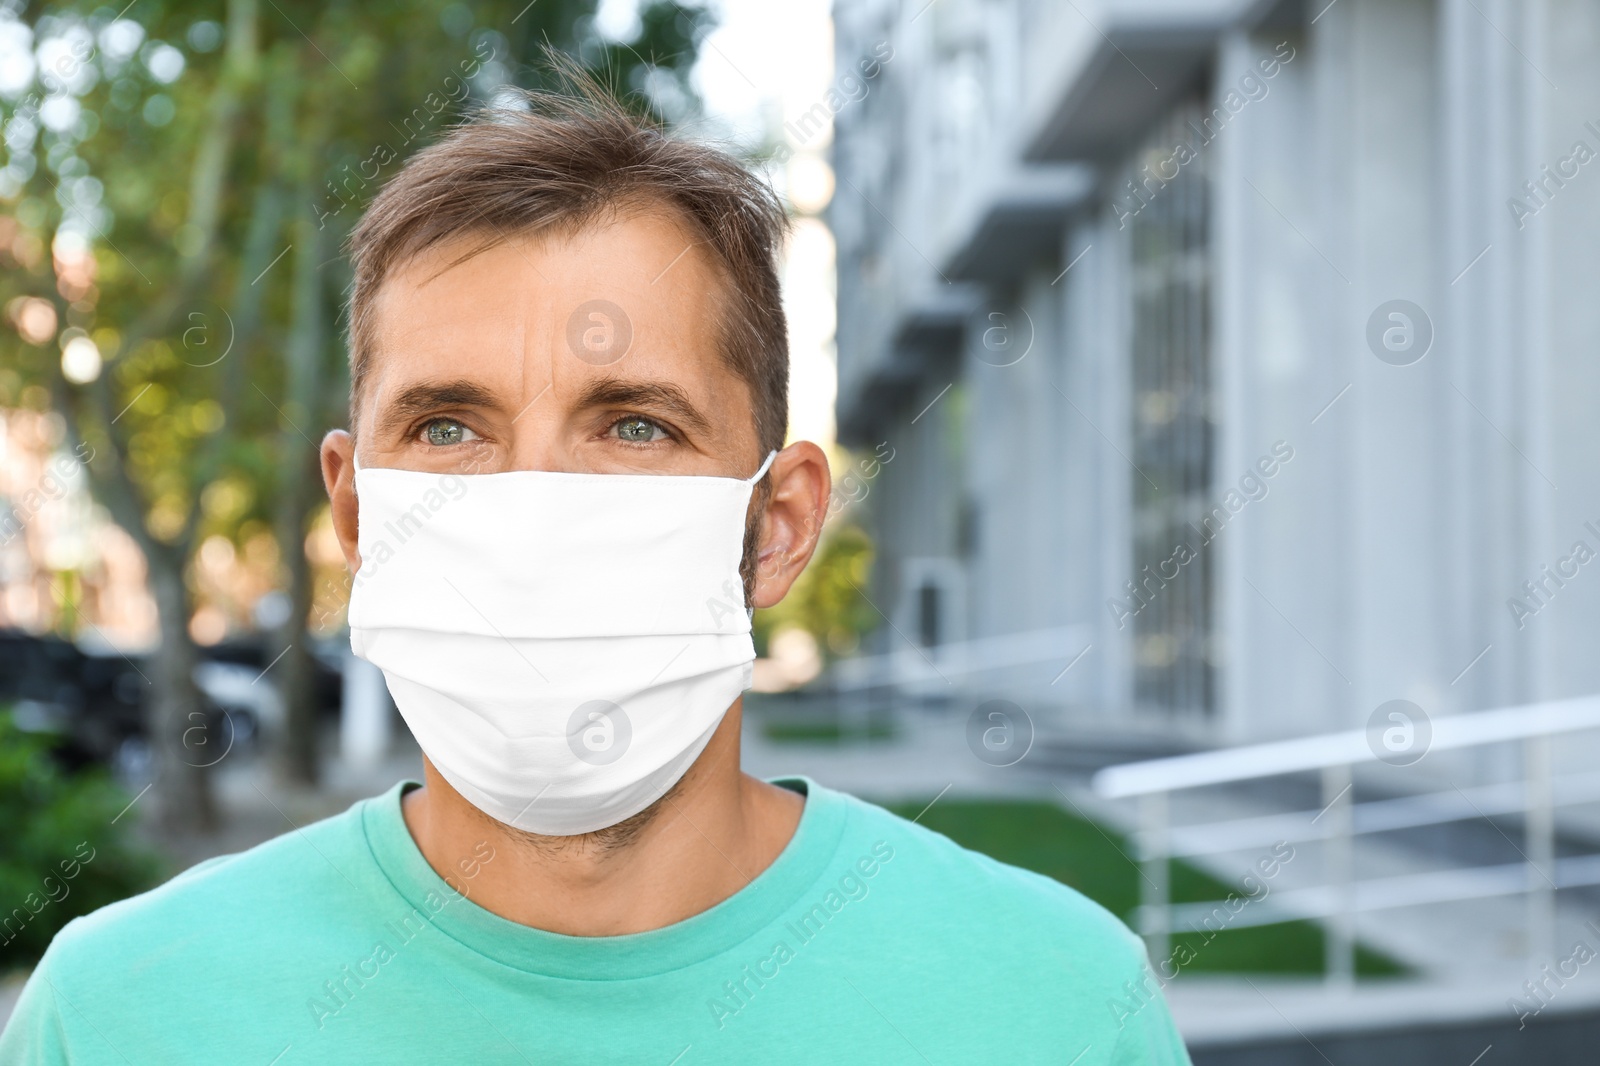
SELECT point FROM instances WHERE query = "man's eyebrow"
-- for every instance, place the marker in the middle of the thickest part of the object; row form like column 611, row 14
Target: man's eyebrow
column 616, row 392
column 432, row 396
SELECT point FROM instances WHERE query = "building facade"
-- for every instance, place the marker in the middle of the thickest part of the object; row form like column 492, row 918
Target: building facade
column 1249, row 346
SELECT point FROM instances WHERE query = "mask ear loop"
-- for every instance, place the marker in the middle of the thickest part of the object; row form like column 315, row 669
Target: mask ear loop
column 750, row 612
column 759, row 474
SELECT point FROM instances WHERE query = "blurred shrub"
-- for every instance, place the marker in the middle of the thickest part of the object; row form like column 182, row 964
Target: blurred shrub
column 60, row 854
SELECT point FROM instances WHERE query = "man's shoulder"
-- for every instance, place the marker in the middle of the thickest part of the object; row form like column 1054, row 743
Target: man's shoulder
column 258, row 892
column 956, row 882
column 965, row 933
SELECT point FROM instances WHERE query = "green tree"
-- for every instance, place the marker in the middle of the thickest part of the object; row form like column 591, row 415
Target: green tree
column 828, row 599
column 179, row 190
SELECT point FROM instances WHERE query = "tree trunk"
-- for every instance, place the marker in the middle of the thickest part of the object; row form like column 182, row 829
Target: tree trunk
column 296, row 673
column 300, row 490
column 183, row 744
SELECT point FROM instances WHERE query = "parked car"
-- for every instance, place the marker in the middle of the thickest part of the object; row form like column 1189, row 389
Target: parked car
column 235, row 673
column 94, row 704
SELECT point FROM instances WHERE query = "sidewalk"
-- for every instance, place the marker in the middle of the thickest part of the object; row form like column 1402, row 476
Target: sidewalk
column 255, row 807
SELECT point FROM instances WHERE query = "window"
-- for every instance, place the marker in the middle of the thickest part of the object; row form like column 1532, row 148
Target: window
column 1163, row 203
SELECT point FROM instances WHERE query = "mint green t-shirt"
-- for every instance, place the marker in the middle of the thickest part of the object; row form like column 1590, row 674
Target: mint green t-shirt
column 869, row 939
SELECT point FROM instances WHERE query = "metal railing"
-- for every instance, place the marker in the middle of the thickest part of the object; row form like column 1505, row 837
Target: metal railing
column 912, row 665
column 853, row 687
column 1341, row 820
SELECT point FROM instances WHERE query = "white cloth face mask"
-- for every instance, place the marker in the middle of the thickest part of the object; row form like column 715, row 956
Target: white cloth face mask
column 561, row 645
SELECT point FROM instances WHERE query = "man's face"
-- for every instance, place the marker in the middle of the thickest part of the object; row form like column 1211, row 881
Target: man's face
column 594, row 352
column 591, row 352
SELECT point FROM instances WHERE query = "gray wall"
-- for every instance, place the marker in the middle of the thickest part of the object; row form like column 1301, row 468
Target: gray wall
column 1378, row 167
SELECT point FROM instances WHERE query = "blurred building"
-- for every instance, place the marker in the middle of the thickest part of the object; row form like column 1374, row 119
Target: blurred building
column 63, row 564
column 1254, row 340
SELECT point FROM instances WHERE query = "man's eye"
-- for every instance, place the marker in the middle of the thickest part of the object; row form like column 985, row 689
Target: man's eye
column 446, row 431
column 639, row 431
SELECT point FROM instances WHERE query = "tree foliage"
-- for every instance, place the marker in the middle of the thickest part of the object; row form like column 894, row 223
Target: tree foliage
column 176, row 191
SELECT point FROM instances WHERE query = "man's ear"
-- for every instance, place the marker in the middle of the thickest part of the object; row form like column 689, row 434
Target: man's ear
column 339, row 477
column 792, row 522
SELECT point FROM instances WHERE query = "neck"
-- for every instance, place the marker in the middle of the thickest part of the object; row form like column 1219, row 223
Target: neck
column 702, row 842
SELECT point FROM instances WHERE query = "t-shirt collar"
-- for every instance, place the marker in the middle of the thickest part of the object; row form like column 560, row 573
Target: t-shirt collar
column 804, row 860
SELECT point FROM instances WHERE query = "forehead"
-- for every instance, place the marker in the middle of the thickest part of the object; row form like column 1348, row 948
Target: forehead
column 633, row 292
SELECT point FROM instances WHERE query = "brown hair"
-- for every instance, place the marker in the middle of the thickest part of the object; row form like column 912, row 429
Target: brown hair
column 557, row 160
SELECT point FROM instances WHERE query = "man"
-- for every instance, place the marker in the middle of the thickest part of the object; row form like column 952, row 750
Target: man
column 563, row 483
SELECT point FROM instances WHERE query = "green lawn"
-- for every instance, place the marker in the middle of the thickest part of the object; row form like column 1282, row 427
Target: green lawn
column 816, row 730
column 1044, row 838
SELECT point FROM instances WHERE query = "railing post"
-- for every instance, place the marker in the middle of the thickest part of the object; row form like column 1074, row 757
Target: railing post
column 852, row 709
column 1155, row 911
column 1340, row 928
column 1539, row 826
